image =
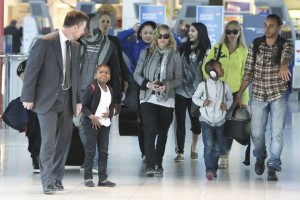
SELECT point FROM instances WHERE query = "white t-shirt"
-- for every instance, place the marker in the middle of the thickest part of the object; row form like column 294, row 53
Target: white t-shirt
column 103, row 107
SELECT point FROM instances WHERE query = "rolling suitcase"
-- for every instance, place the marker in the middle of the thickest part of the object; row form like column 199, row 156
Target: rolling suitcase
column 76, row 151
column 129, row 122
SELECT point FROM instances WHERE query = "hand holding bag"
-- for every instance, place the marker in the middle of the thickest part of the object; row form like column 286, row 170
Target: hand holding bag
column 238, row 124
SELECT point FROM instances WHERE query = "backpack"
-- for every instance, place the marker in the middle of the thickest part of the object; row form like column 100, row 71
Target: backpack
column 277, row 56
column 16, row 116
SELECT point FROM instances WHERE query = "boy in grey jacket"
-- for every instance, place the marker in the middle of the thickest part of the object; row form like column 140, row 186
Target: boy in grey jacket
column 214, row 98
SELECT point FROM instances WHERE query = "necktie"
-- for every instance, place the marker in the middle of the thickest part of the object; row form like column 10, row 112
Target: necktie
column 67, row 79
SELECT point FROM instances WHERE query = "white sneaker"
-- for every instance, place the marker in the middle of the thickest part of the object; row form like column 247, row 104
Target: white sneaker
column 222, row 162
column 179, row 158
column 95, row 169
column 81, row 169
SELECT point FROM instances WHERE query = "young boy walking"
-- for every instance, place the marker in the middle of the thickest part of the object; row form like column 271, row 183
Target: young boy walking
column 97, row 110
column 214, row 98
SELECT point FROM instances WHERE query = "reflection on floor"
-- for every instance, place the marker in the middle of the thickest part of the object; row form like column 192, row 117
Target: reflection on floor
column 185, row 180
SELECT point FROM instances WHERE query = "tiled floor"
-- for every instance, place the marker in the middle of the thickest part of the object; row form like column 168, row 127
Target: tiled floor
column 181, row 181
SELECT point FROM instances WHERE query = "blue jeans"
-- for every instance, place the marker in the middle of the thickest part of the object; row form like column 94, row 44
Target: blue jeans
column 212, row 140
column 260, row 112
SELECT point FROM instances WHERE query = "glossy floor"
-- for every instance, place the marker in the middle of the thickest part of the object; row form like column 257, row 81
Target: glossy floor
column 185, row 180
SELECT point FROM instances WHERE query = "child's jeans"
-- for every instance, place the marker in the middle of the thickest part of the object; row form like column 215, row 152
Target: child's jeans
column 212, row 140
column 99, row 137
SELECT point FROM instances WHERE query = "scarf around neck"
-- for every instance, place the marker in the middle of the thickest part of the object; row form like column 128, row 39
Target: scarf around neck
column 160, row 72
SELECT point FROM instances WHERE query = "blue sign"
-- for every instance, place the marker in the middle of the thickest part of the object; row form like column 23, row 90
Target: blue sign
column 152, row 13
column 253, row 27
column 212, row 17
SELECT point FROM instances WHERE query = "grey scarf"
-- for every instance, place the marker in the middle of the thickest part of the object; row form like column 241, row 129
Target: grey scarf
column 160, row 72
column 96, row 38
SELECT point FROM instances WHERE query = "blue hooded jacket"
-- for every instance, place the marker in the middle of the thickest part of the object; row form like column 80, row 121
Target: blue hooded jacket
column 132, row 49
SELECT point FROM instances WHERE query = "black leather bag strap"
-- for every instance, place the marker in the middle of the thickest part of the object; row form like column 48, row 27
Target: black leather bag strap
column 219, row 52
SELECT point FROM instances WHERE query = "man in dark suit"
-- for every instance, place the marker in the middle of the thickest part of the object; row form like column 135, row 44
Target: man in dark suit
column 51, row 88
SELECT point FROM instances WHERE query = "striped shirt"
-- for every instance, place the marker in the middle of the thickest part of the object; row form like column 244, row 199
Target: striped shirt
column 264, row 72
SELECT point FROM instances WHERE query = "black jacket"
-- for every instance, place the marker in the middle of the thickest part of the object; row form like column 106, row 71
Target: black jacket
column 91, row 100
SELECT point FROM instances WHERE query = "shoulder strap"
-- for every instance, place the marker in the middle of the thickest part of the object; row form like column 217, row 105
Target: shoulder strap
column 219, row 52
column 206, row 90
column 255, row 48
column 93, row 88
column 223, row 95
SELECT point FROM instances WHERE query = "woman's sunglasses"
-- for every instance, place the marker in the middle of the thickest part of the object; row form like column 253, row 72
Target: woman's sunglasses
column 165, row 36
column 234, row 31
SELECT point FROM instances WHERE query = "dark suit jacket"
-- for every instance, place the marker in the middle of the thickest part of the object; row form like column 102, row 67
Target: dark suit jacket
column 44, row 73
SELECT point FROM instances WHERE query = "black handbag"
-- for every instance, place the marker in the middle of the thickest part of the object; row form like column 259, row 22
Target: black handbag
column 238, row 124
column 16, row 116
column 131, row 99
column 129, row 122
column 238, row 127
column 195, row 112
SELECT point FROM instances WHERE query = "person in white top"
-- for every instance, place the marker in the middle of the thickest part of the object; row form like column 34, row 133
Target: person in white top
column 214, row 98
column 97, row 111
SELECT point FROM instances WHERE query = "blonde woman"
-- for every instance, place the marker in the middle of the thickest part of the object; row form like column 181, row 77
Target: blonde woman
column 158, row 72
column 232, row 56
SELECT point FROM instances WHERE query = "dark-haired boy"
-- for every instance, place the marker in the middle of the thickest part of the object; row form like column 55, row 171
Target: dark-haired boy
column 214, row 98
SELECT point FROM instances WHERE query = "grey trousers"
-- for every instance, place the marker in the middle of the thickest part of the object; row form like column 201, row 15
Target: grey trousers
column 56, row 133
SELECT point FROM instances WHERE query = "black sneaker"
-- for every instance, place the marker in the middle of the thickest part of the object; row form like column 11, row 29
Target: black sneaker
column 272, row 174
column 89, row 183
column 150, row 172
column 159, row 169
column 36, row 165
column 49, row 189
column 106, row 183
column 59, row 186
column 260, row 166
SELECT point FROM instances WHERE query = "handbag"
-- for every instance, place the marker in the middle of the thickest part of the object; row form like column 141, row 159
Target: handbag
column 129, row 122
column 195, row 110
column 238, row 124
column 238, row 127
column 16, row 116
column 131, row 99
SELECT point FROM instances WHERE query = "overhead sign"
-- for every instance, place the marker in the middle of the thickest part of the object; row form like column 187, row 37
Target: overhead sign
column 152, row 13
column 253, row 27
column 212, row 17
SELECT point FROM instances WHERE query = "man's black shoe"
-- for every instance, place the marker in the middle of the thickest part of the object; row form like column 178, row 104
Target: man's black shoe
column 49, row 189
column 59, row 186
column 106, row 183
column 260, row 166
column 272, row 174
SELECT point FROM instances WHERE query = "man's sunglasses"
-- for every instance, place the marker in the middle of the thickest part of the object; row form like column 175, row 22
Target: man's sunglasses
column 165, row 36
column 234, row 31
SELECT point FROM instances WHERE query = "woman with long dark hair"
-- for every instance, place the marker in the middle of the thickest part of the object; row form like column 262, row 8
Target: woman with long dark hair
column 193, row 52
